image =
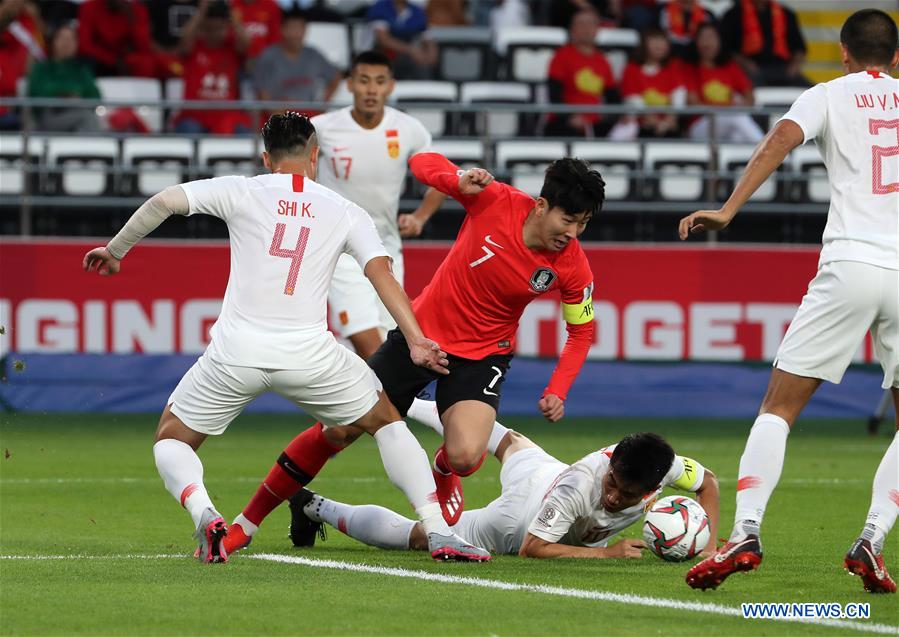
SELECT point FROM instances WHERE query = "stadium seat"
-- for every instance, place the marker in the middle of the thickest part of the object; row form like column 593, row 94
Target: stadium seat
column 412, row 91
column 462, row 152
column 813, row 186
column 776, row 96
column 682, row 167
column 151, row 164
column 362, row 37
column 616, row 161
column 229, row 156
column 12, row 157
column 464, row 53
column 81, row 166
column 732, row 159
column 527, row 51
column 347, row 7
column 617, row 45
column 499, row 123
column 331, row 40
column 524, row 162
column 145, row 90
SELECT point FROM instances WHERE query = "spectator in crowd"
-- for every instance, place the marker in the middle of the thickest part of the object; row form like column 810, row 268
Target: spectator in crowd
column 399, row 29
column 63, row 75
column 167, row 21
column 680, row 20
column 291, row 72
column 509, row 13
column 114, row 36
column 563, row 11
column 637, row 14
column 580, row 74
column 214, row 43
column 716, row 80
column 765, row 38
column 446, row 13
column 262, row 21
column 21, row 41
column 58, row 12
column 653, row 79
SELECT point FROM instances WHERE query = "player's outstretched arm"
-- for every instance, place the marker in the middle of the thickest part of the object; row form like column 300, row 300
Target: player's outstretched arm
column 436, row 171
column 107, row 260
column 424, row 351
column 533, row 546
column 769, row 154
column 708, row 495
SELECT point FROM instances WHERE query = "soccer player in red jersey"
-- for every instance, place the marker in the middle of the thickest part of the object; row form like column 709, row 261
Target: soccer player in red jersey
column 510, row 250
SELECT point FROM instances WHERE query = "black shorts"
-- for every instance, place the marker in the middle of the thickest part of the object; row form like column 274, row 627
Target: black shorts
column 403, row 380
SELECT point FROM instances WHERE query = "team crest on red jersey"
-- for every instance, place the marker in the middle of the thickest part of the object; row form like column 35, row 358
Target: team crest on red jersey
column 393, row 143
column 542, row 279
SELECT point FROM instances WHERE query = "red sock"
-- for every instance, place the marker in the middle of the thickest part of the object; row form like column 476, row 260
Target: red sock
column 302, row 459
column 443, row 466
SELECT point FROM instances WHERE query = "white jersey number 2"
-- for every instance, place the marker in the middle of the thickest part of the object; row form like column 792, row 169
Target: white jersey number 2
column 879, row 152
column 295, row 255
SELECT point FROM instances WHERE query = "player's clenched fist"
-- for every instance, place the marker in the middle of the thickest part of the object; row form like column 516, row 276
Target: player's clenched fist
column 426, row 353
column 474, row 180
column 102, row 261
column 552, row 407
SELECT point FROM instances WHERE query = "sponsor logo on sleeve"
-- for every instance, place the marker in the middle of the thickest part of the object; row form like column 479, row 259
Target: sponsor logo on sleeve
column 547, row 516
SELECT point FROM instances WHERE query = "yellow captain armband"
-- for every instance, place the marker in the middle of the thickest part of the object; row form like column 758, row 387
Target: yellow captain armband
column 692, row 477
column 578, row 313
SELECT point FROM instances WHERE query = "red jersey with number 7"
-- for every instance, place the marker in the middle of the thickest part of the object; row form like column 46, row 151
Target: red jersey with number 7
column 473, row 304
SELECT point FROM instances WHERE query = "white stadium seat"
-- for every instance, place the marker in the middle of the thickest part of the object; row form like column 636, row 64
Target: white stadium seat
column 136, row 89
column 157, row 163
column 331, row 40
column 219, row 156
column 525, row 162
column 12, row 147
column 616, row 161
column 528, row 50
column 411, row 91
column 682, row 166
column 462, row 152
column 807, row 162
column 82, row 166
column 498, row 123
column 464, row 52
column 732, row 158
column 781, row 96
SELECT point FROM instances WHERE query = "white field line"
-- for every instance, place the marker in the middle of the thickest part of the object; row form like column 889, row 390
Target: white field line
column 830, row 482
column 603, row 596
column 577, row 593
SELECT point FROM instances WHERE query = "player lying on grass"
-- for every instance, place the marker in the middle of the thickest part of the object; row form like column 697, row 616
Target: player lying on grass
column 287, row 233
column 546, row 508
column 855, row 122
column 511, row 249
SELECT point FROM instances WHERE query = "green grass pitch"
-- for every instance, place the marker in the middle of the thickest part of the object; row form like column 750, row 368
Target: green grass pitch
column 86, row 487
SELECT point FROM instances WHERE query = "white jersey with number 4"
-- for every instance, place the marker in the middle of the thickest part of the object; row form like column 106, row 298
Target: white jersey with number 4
column 855, row 122
column 286, row 234
column 368, row 166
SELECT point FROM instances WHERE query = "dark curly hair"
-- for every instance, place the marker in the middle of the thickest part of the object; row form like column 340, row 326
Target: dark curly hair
column 870, row 36
column 573, row 186
column 642, row 460
column 288, row 133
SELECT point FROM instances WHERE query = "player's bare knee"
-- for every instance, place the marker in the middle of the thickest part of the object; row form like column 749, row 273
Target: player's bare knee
column 172, row 428
column 418, row 539
column 342, row 435
column 383, row 413
column 465, row 461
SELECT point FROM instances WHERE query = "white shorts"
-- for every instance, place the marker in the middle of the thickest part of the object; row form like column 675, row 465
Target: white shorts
column 843, row 302
column 354, row 305
column 337, row 392
column 500, row 526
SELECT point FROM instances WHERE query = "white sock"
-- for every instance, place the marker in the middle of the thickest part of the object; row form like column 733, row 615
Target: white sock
column 182, row 472
column 425, row 412
column 370, row 524
column 760, row 468
column 248, row 527
column 407, row 466
column 884, row 498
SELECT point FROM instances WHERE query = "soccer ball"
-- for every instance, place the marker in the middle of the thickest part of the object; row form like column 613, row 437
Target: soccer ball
column 676, row 528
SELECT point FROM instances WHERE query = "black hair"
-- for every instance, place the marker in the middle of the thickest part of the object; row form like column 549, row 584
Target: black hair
column 870, row 36
column 573, row 186
column 372, row 57
column 724, row 53
column 642, row 460
column 294, row 12
column 218, row 9
column 287, row 133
